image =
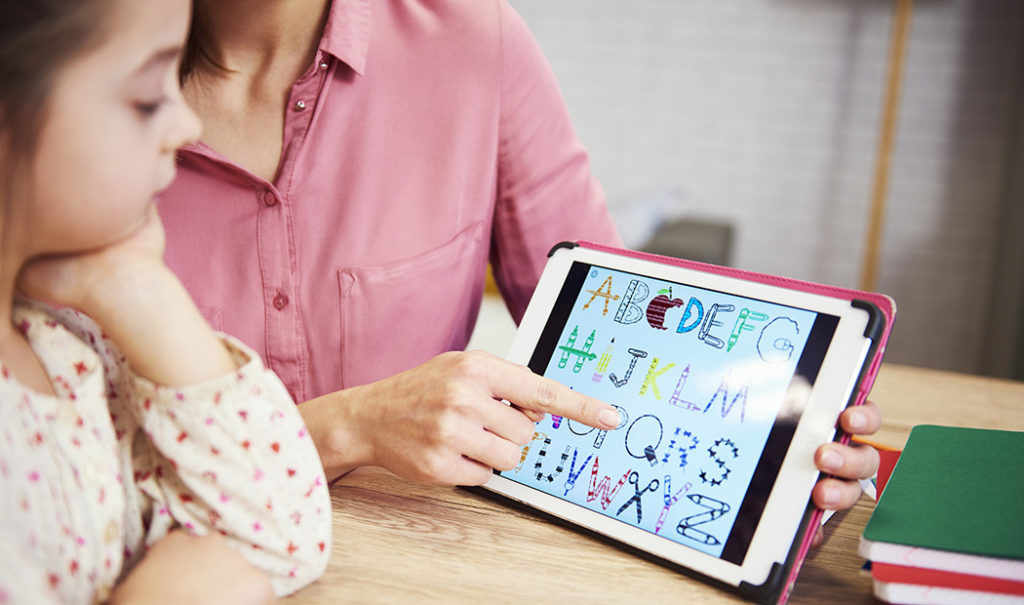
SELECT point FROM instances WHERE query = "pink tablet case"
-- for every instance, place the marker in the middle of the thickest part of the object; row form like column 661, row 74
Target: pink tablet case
column 882, row 309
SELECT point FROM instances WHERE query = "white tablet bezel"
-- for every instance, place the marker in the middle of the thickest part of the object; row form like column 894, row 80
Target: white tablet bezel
column 787, row 503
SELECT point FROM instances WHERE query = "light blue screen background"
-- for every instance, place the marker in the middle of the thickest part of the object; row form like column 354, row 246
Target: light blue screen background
column 695, row 424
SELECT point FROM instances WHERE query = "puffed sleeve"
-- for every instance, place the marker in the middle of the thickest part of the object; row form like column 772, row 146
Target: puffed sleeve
column 546, row 192
column 233, row 455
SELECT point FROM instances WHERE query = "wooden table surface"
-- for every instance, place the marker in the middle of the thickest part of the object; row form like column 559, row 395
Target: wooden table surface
column 398, row 541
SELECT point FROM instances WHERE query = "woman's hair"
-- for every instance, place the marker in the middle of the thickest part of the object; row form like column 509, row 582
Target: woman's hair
column 37, row 38
column 197, row 47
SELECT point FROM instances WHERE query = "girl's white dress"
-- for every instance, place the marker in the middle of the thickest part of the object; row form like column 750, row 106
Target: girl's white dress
column 91, row 477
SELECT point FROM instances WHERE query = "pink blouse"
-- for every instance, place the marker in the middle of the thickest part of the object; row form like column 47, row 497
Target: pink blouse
column 428, row 137
column 91, row 477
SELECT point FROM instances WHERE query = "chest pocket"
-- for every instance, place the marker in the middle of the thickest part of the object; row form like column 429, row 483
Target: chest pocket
column 396, row 316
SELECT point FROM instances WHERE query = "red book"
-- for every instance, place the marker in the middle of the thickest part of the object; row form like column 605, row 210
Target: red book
column 886, row 461
column 904, row 574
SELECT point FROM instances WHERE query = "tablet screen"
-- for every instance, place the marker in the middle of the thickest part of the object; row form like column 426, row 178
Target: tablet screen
column 710, row 386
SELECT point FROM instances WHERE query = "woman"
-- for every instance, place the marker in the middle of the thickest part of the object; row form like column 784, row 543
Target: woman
column 366, row 160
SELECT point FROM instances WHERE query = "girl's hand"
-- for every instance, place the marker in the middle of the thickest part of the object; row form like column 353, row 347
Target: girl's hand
column 141, row 305
column 181, row 568
column 99, row 279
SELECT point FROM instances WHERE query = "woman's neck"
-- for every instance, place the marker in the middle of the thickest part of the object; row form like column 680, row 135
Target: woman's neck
column 256, row 36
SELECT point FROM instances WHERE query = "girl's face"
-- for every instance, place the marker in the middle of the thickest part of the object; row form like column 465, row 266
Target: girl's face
column 114, row 120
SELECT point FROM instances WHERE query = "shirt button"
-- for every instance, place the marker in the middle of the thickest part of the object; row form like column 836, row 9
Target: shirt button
column 323, row 65
column 300, row 105
column 280, row 301
column 269, row 198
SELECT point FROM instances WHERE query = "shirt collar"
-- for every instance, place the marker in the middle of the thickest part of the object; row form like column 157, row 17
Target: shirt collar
column 347, row 33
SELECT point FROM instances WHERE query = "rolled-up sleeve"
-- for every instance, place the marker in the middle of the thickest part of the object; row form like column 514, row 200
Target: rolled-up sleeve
column 546, row 191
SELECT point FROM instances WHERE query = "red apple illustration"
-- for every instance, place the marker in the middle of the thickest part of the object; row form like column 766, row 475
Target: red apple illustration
column 657, row 307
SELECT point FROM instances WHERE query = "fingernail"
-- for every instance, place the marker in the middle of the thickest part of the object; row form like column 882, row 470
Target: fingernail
column 832, row 495
column 832, row 460
column 858, row 421
column 609, row 418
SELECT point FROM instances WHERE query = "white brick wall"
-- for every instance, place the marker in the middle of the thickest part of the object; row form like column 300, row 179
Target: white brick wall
column 766, row 112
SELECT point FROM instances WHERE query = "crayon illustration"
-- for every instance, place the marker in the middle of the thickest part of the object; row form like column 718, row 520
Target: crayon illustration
column 677, row 394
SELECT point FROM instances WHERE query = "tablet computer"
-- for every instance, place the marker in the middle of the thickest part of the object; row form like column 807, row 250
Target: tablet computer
column 726, row 382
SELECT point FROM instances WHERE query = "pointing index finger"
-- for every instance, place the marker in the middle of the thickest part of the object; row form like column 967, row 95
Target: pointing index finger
column 527, row 390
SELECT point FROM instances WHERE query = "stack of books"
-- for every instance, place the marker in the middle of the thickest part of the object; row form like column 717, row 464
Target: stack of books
column 949, row 523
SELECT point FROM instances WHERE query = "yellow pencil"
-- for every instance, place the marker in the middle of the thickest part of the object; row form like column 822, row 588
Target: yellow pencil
column 874, row 444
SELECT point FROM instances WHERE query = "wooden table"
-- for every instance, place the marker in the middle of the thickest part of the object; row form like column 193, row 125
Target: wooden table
column 400, row 542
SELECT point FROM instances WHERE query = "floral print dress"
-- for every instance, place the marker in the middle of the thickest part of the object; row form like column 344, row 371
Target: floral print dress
column 91, row 477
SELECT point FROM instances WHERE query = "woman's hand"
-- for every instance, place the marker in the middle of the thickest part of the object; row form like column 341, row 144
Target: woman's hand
column 181, row 568
column 847, row 464
column 444, row 421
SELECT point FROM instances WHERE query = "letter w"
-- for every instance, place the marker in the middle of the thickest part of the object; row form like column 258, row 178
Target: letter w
column 602, row 489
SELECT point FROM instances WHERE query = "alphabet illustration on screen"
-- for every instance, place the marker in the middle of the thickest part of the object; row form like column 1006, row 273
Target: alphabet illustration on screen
column 713, row 371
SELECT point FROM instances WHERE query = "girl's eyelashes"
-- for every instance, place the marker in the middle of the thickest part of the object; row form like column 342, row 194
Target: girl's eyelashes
column 148, row 109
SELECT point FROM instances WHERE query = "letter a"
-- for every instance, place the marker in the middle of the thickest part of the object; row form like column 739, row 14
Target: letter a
column 605, row 292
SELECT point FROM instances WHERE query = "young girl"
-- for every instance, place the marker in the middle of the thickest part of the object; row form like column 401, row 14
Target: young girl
column 143, row 458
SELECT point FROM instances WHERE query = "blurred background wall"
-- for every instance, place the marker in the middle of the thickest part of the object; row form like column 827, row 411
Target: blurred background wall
column 763, row 116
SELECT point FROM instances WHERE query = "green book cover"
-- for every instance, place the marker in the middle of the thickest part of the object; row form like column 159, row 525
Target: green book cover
column 955, row 489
